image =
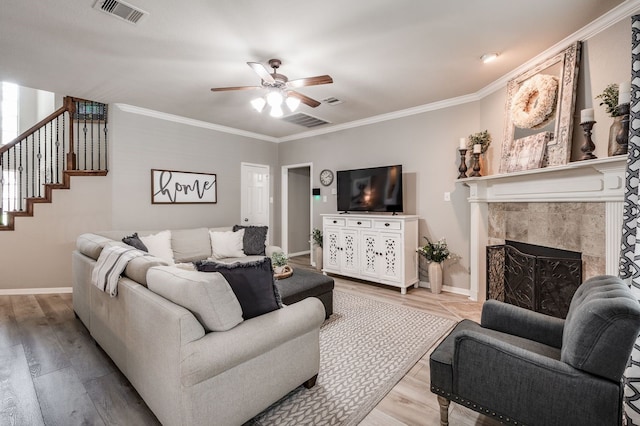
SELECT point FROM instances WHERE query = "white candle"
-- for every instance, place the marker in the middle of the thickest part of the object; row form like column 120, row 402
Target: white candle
column 477, row 148
column 463, row 143
column 586, row 115
column 624, row 92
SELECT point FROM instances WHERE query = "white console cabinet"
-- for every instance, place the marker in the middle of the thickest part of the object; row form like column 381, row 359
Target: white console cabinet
column 379, row 248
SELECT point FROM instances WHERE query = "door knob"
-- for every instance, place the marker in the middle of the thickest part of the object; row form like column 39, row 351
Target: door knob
column 246, row 219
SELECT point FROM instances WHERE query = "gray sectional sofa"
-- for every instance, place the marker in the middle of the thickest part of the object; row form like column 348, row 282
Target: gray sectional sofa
column 186, row 374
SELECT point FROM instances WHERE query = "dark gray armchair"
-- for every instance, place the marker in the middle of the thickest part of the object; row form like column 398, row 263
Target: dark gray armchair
column 526, row 368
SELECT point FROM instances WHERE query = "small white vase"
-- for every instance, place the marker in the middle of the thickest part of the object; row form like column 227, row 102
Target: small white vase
column 319, row 258
column 435, row 277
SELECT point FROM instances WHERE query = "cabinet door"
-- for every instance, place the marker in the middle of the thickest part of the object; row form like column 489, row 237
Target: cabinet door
column 371, row 255
column 349, row 251
column 392, row 263
column 331, row 255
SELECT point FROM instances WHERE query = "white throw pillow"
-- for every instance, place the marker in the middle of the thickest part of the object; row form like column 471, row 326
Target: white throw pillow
column 159, row 245
column 226, row 244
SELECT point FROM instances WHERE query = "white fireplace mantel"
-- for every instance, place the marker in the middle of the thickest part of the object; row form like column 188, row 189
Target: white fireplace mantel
column 599, row 180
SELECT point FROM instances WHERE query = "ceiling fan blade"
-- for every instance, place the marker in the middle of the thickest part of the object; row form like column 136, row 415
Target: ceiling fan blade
column 304, row 99
column 262, row 72
column 225, row 89
column 310, row 81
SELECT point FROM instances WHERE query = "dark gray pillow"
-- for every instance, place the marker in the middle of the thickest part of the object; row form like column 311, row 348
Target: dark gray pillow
column 134, row 241
column 251, row 282
column 254, row 239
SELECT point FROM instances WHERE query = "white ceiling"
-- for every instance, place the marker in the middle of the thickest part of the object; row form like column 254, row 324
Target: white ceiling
column 384, row 55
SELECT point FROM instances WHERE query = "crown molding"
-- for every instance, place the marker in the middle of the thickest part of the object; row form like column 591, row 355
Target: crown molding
column 615, row 15
column 193, row 122
column 447, row 103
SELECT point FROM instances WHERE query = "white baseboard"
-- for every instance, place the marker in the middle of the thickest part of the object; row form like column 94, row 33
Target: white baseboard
column 299, row 253
column 448, row 288
column 24, row 291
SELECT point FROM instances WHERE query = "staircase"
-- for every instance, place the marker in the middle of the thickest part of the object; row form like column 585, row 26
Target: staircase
column 72, row 141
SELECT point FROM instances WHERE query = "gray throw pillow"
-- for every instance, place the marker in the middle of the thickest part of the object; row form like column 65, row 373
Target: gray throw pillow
column 254, row 239
column 135, row 241
column 252, row 283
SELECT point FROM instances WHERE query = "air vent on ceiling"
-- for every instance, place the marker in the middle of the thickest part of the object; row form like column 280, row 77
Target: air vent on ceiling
column 121, row 10
column 332, row 101
column 305, row 120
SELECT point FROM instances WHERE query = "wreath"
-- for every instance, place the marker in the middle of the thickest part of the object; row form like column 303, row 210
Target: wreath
column 535, row 102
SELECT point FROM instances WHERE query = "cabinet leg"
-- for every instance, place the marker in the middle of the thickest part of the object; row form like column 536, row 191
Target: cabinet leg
column 403, row 290
column 416, row 285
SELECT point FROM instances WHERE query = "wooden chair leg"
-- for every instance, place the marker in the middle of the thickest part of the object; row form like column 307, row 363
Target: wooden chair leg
column 311, row 382
column 444, row 410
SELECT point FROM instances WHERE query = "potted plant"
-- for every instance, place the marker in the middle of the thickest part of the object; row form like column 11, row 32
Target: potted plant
column 609, row 98
column 435, row 253
column 279, row 261
column 316, row 237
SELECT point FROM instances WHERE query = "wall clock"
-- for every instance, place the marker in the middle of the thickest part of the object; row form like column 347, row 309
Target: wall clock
column 326, row 177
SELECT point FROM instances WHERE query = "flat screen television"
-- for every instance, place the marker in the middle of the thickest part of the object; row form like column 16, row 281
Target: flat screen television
column 376, row 189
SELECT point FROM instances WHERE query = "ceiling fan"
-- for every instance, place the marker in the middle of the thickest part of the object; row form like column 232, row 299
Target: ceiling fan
column 279, row 83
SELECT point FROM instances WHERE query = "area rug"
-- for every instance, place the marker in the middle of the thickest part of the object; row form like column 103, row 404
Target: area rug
column 366, row 347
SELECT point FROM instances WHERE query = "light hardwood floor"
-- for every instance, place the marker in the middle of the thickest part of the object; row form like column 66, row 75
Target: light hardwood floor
column 53, row 373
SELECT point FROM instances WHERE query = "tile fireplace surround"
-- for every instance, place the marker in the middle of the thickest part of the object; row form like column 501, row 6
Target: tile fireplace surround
column 585, row 196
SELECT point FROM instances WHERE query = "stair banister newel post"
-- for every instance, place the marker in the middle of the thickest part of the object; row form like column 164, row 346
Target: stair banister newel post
column 70, row 106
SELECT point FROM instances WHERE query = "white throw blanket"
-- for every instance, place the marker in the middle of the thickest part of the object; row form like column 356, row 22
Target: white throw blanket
column 111, row 263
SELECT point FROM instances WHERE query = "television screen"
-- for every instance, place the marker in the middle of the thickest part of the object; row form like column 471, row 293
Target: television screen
column 377, row 189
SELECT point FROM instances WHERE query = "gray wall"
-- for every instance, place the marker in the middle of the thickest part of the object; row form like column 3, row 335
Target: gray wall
column 140, row 143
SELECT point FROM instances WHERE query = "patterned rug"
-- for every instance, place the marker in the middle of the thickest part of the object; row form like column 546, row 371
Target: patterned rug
column 366, row 347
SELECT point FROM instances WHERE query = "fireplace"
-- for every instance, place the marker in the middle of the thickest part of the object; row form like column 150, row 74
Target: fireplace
column 542, row 279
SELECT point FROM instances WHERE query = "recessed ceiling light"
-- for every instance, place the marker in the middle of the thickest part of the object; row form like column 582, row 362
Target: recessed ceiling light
column 488, row 57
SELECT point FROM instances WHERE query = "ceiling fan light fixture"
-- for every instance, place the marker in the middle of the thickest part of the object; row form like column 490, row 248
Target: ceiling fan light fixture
column 276, row 111
column 292, row 103
column 275, row 98
column 258, row 104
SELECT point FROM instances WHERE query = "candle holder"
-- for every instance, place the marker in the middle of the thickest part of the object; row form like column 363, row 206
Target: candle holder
column 588, row 146
column 475, row 161
column 622, row 138
column 463, row 164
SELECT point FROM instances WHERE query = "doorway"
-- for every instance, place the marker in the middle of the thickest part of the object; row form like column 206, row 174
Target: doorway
column 297, row 209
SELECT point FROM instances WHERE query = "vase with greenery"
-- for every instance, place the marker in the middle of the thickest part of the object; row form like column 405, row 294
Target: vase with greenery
column 435, row 253
column 316, row 237
column 482, row 138
column 609, row 99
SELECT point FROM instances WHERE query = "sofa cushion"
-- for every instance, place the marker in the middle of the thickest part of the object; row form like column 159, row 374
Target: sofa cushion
column 254, row 239
column 91, row 244
column 159, row 245
column 207, row 296
column 226, row 244
column 137, row 267
column 252, row 283
column 190, row 244
column 134, row 241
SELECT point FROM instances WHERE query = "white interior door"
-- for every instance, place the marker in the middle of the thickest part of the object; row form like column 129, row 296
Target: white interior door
column 255, row 190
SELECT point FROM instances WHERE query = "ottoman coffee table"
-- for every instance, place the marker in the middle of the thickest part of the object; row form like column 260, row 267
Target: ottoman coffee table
column 304, row 283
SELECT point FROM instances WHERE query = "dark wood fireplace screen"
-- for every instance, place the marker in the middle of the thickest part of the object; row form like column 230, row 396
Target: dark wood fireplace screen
column 539, row 278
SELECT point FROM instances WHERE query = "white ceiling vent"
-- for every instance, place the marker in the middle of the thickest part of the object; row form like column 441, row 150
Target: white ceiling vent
column 121, row 10
column 305, row 120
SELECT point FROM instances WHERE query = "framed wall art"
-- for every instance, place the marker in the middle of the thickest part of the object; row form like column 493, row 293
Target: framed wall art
column 542, row 99
column 174, row 187
column 525, row 153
